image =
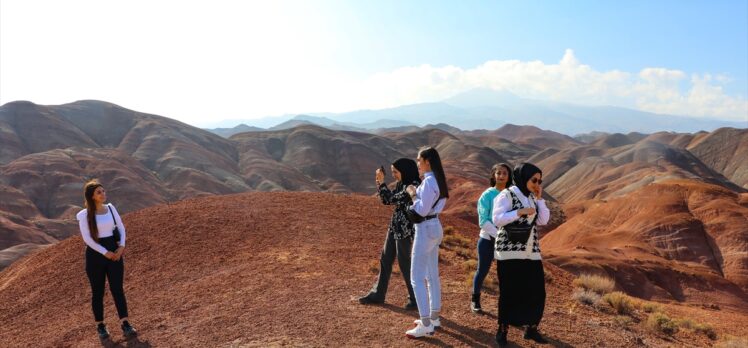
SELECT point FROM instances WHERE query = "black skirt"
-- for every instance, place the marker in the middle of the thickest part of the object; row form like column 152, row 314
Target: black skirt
column 521, row 291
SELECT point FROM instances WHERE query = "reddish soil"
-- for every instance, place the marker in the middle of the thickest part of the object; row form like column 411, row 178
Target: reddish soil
column 271, row 269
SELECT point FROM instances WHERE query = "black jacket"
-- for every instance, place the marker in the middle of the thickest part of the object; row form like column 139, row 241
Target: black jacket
column 399, row 224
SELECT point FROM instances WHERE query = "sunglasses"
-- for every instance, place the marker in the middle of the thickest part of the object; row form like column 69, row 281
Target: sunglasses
column 536, row 181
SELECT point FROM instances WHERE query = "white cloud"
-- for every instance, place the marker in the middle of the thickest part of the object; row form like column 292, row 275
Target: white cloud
column 659, row 90
column 200, row 63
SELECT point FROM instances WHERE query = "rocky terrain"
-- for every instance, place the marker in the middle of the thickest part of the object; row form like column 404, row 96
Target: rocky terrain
column 663, row 214
column 269, row 269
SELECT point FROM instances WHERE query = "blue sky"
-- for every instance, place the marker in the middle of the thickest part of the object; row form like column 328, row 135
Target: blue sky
column 693, row 36
column 202, row 61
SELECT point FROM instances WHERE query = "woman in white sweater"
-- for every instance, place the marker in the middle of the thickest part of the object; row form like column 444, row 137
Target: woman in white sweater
column 517, row 211
column 104, row 234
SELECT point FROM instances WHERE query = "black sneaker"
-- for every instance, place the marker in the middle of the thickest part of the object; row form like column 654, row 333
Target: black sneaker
column 370, row 299
column 128, row 330
column 475, row 304
column 531, row 333
column 103, row 333
column 501, row 338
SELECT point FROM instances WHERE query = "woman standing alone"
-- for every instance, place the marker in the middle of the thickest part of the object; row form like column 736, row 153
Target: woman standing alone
column 104, row 234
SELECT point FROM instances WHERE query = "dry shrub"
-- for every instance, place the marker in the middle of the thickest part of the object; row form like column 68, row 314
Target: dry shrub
column 471, row 265
column 491, row 284
column 596, row 283
column 587, row 297
column 708, row 331
column 460, row 245
column 685, row 323
column 622, row 303
column 448, row 230
column 651, row 307
column 704, row 329
column 622, row 321
column 659, row 322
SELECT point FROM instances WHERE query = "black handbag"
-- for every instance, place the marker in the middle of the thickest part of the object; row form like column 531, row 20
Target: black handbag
column 417, row 219
column 115, row 232
column 517, row 232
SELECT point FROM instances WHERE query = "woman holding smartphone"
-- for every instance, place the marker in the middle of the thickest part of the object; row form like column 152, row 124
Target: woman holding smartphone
column 399, row 240
column 429, row 200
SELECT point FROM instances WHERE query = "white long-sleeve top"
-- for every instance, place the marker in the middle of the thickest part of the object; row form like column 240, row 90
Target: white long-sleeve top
column 105, row 224
column 426, row 194
column 504, row 214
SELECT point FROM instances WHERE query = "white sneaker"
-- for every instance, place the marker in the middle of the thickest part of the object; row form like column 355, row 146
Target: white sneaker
column 420, row 331
column 435, row 322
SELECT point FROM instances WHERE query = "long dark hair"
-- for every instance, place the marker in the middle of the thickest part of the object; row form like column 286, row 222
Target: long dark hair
column 88, row 192
column 432, row 156
column 495, row 169
column 408, row 173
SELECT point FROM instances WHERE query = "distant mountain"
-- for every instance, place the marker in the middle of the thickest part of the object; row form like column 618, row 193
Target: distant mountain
column 228, row 132
column 299, row 120
column 488, row 109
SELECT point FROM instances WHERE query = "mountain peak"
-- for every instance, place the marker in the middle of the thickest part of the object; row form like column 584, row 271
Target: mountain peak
column 482, row 96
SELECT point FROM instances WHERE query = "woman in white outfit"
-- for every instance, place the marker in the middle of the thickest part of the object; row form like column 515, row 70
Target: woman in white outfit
column 429, row 200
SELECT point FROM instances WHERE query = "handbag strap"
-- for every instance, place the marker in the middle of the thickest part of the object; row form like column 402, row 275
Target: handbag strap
column 514, row 197
column 111, row 212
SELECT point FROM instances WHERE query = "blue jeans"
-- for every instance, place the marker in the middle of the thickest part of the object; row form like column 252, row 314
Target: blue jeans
column 424, row 267
column 485, row 258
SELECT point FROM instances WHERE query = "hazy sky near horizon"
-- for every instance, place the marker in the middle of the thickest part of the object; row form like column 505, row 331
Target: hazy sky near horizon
column 205, row 61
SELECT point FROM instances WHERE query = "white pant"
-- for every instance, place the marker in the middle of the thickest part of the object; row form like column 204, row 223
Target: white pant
column 424, row 267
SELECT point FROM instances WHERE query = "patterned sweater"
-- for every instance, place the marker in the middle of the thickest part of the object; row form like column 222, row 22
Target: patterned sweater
column 505, row 208
column 399, row 224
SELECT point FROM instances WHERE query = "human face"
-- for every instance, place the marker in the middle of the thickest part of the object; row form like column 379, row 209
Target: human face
column 501, row 176
column 423, row 165
column 396, row 173
column 533, row 185
column 99, row 195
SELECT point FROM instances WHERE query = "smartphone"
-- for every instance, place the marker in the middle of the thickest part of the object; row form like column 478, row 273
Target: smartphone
column 382, row 169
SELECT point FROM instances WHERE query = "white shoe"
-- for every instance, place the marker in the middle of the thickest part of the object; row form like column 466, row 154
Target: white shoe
column 435, row 322
column 420, row 331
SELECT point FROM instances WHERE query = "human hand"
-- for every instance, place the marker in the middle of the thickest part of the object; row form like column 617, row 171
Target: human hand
column 526, row 211
column 538, row 192
column 411, row 190
column 110, row 255
column 119, row 252
column 379, row 176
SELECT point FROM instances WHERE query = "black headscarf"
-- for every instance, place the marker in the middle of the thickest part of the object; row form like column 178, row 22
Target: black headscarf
column 522, row 174
column 408, row 172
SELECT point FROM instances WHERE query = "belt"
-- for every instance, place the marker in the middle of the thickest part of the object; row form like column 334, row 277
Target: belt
column 429, row 217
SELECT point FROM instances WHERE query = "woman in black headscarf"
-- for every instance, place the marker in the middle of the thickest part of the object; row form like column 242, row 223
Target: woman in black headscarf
column 399, row 240
column 517, row 211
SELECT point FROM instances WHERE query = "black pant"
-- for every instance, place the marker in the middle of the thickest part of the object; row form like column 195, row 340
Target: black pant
column 394, row 247
column 98, row 269
column 521, row 291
